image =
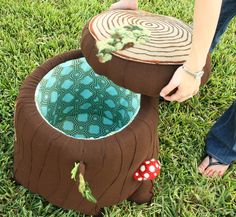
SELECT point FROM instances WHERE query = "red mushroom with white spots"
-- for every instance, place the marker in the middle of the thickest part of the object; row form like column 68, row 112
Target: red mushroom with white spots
column 148, row 170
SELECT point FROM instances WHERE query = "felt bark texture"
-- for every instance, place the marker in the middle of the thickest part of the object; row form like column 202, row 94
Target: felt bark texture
column 44, row 157
column 143, row 75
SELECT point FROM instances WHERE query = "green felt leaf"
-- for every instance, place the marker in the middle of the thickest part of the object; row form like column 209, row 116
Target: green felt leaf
column 85, row 190
column 81, row 184
column 83, row 187
column 74, row 171
column 88, row 195
column 120, row 37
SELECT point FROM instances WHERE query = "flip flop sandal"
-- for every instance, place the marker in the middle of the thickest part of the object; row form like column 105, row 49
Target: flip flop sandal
column 211, row 163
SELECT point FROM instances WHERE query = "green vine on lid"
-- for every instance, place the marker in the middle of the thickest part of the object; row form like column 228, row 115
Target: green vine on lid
column 121, row 38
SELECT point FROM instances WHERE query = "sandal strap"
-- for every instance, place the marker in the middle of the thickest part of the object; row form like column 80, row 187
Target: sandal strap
column 211, row 163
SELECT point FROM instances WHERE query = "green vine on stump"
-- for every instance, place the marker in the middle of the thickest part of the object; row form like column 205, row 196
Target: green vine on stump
column 121, row 38
column 83, row 187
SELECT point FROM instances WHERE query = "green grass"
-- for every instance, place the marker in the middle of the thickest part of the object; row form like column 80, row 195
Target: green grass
column 32, row 31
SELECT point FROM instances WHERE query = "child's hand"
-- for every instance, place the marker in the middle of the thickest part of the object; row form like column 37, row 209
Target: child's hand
column 125, row 4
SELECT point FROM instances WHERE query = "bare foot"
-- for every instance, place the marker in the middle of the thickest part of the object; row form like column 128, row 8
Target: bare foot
column 125, row 4
column 211, row 167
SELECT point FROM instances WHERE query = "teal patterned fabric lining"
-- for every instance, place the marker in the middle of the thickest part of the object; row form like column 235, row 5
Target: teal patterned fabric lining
column 81, row 104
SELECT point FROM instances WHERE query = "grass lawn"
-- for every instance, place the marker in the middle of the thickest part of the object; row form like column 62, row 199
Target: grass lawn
column 31, row 31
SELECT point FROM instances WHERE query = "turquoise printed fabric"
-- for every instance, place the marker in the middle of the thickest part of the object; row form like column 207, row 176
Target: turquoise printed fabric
column 82, row 104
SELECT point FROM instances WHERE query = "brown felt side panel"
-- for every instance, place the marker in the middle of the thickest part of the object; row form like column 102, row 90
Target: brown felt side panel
column 156, row 146
column 143, row 194
column 70, row 153
column 121, row 150
column 18, row 146
column 143, row 140
column 141, row 152
column 116, row 71
column 41, row 143
column 25, row 135
column 40, row 162
column 137, row 153
column 150, row 78
column 109, row 172
column 154, row 120
column 65, row 193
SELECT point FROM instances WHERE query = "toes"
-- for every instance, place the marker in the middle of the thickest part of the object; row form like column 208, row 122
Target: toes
column 213, row 170
column 216, row 170
column 222, row 170
column 203, row 165
column 201, row 169
column 221, row 173
column 205, row 172
column 210, row 173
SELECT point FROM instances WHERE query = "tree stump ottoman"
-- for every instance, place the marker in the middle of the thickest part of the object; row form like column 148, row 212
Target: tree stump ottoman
column 83, row 142
column 67, row 114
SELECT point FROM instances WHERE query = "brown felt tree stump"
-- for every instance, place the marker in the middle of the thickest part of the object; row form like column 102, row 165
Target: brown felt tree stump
column 46, row 147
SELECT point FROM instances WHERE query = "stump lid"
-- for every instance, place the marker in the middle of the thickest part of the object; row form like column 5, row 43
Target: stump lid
column 169, row 42
column 148, row 65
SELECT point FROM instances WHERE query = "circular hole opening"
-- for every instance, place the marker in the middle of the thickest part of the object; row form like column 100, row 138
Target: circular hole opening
column 73, row 99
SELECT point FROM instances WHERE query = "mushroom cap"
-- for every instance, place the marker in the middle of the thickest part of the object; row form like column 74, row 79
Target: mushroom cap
column 148, row 170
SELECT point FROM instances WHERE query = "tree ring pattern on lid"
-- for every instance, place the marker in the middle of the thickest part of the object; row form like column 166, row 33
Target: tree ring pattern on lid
column 169, row 43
